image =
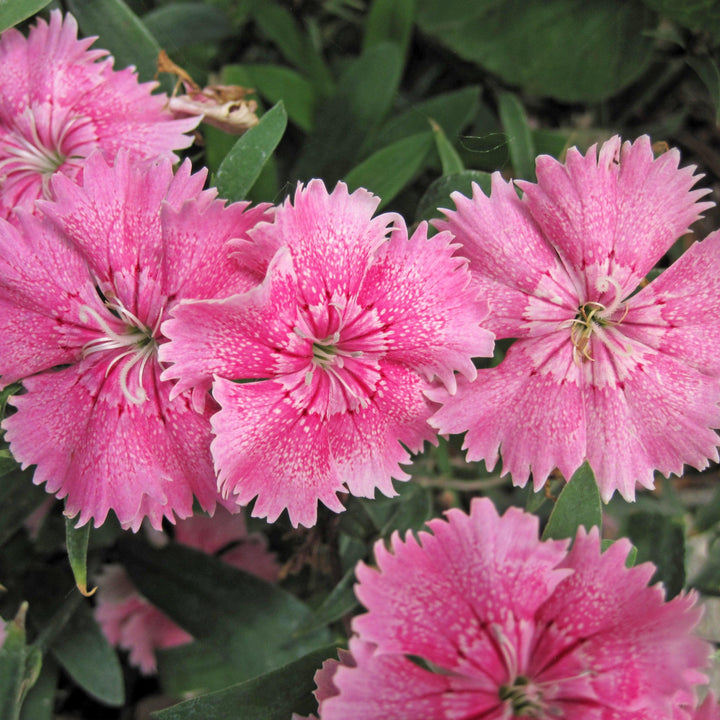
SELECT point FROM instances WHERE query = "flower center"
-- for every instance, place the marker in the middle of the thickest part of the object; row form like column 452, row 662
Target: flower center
column 524, row 698
column 134, row 339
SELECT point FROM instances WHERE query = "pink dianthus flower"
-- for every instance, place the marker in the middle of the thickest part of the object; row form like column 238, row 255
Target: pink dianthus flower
column 61, row 101
column 321, row 370
column 478, row 618
column 83, row 290
column 131, row 622
column 627, row 380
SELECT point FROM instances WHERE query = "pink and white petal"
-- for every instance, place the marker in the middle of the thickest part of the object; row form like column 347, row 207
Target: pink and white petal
column 266, row 448
column 656, row 414
column 678, row 313
column 618, row 210
column 439, row 598
column 422, row 292
column 332, row 237
column 235, row 338
column 502, row 241
column 107, row 454
column 366, row 443
column 530, row 408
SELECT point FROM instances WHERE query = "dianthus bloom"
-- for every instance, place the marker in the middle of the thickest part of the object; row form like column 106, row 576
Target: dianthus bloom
column 133, row 623
column 480, row 619
column 629, row 382
column 83, row 290
column 321, row 371
column 61, row 101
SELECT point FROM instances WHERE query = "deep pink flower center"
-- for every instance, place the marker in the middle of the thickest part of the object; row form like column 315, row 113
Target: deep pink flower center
column 337, row 346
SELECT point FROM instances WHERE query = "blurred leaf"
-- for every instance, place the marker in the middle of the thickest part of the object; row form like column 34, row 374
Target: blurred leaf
column 449, row 158
column 389, row 21
column 247, row 620
column 19, row 667
column 707, row 70
column 389, row 170
column 7, row 463
column 572, row 51
column 413, row 508
column 279, row 26
column 578, row 504
column 177, row 25
column 438, row 193
column 276, row 83
column 18, row 498
column 76, row 540
column 707, row 581
column 14, row 11
column 336, row 605
column 273, row 696
column 120, row 31
column 85, row 654
column 708, row 513
column 453, row 111
column 241, row 167
column 701, row 15
column 342, row 123
column 661, row 540
column 40, row 701
column 520, row 141
column 535, row 500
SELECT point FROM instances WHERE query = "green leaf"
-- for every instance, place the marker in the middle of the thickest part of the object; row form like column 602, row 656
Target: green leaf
column 389, row 170
column 336, row 605
column 14, row 11
column 19, row 667
column 241, row 167
column 707, row 581
column 120, row 31
column 661, row 540
column 389, row 21
column 247, row 620
column 178, row 25
column 701, row 15
column 18, row 499
column 76, row 540
column 707, row 70
column 40, row 701
column 449, row 158
column 579, row 504
column 438, row 193
column 520, row 141
column 346, row 122
column 708, row 513
column 568, row 50
column 276, row 83
column 273, row 696
column 85, row 654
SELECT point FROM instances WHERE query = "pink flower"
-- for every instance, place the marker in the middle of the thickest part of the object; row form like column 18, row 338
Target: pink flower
column 627, row 381
column 321, row 370
column 83, row 291
column 61, row 102
column 480, row 619
column 709, row 710
column 133, row 623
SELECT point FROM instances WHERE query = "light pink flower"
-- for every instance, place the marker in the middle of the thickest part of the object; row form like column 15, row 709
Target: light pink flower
column 709, row 710
column 82, row 294
column 627, row 381
column 61, row 101
column 480, row 619
column 334, row 350
column 131, row 622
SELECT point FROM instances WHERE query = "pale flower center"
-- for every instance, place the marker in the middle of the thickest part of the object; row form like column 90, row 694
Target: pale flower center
column 524, row 698
column 136, row 341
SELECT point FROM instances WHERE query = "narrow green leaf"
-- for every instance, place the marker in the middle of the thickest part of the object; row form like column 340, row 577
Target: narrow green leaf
column 241, row 167
column 276, row 83
column 76, row 540
column 19, row 667
column 389, row 21
column 579, row 504
column 449, row 158
column 336, row 605
column 120, row 31
column 273, row 696
column 18, row 498
column 40, row 701
column 438, row 192
column 85, row 654
column 390, row 169
column 247, row 620
column 177, row 25
column 14, row 11
column 520, row 141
